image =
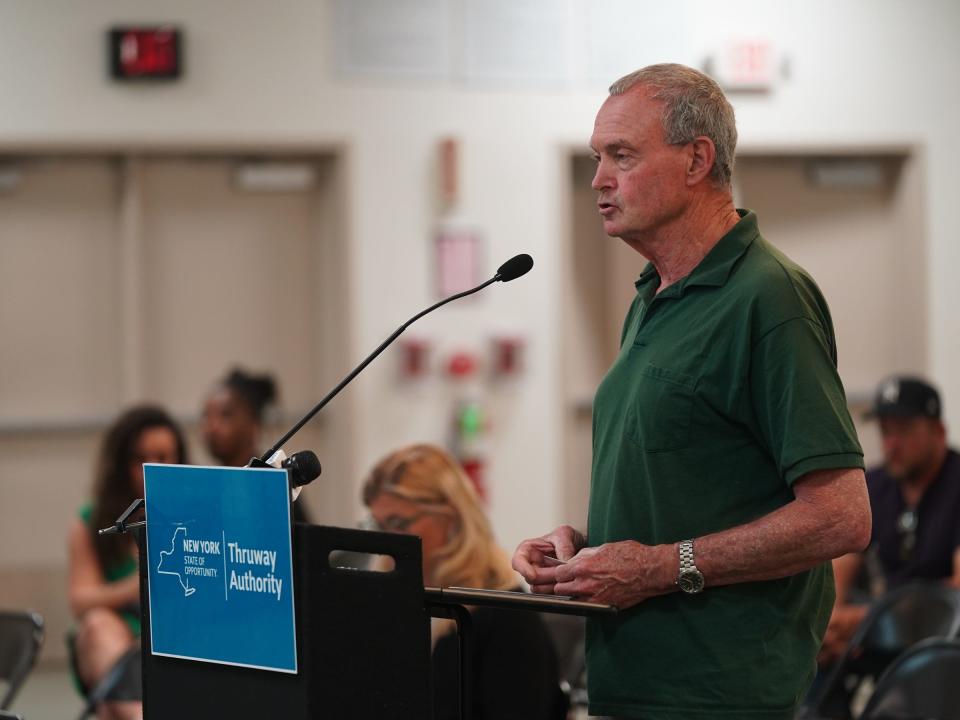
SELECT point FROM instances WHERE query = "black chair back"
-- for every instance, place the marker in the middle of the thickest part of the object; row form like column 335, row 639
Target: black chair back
column 568, row 634
column 924, row 682
column 914, row 613
column 21, row 635
column 123, row 681
column 898, row 620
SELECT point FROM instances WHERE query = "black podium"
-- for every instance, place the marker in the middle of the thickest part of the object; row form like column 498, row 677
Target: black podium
column 363, row 639
column 363, row 643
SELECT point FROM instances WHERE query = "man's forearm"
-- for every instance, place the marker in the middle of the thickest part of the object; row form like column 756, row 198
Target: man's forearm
column 830, row 517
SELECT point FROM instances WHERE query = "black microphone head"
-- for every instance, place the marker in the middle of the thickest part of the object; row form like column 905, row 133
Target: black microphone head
column 514, row 267
column 304, row 467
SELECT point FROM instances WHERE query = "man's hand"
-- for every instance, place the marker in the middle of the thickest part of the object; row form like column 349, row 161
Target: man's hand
column 529, row 558
column 621, row 574
column 843, row 623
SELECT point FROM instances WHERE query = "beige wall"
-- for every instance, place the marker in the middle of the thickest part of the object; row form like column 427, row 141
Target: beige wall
column 132, row 278
column 260, row 76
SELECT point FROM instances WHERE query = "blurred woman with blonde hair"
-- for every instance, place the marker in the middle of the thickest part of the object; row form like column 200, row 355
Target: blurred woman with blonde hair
column 422, row 490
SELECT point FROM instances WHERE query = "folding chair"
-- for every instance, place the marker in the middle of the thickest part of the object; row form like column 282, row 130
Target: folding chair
column 898, row 620
column 122, row 682
column 924, row 682
column 567, row 633
column 21, row 635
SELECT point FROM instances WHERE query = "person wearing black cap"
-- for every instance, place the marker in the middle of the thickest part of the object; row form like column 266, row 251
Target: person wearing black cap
column 914, row 501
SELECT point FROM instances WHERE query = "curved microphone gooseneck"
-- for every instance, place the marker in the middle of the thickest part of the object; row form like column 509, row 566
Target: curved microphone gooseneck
column 510, row 270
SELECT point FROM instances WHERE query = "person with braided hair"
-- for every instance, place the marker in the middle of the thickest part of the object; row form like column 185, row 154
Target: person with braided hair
column 233, row 417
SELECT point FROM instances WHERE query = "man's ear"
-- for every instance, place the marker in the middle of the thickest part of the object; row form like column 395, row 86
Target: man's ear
column 702, row 155
column 939, row 429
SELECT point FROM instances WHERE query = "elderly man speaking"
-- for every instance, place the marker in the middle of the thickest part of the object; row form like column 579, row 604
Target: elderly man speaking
column 726, row 468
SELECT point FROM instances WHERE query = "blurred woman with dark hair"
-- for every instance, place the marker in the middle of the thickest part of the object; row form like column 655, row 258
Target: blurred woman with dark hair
column 233, row 416
column 104, row 583
column 422, row 490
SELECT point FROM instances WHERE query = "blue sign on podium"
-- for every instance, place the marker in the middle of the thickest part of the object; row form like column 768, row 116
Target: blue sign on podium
column 221, row 565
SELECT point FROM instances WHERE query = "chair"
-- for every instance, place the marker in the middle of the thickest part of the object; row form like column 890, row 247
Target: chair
column 21, row 635
column 122, row 682
column 567, row 633
column 898, row 620
column 921, row 683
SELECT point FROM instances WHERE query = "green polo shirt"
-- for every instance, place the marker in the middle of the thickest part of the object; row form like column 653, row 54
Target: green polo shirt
column 724, row 393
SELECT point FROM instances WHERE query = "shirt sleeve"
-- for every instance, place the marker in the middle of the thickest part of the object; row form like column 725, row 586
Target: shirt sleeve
column 799, row 402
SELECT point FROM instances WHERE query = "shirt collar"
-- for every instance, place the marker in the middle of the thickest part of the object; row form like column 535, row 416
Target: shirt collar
column 716, row 267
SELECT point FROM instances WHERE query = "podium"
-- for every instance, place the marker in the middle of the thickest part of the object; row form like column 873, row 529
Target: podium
column 363, row 639
column 363, row 643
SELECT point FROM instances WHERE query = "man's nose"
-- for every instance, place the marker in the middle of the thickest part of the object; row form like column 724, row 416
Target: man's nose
column 602, row 179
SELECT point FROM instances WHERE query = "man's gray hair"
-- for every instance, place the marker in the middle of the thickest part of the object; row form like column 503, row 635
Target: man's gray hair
column 694, row 105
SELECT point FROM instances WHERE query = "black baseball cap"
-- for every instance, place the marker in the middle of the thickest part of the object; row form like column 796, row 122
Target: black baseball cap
column 905, row 396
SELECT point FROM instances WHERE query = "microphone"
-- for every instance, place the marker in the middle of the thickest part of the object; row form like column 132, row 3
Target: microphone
column 304, row 467
column 514, row 267
column 510, row 270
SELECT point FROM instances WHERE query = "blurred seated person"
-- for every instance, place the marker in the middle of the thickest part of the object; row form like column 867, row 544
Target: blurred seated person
column 104, row 583
column 914, row 501
column 233, row 417
column 422, row 490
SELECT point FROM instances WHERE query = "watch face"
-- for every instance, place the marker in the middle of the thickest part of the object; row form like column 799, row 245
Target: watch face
column 690, row 581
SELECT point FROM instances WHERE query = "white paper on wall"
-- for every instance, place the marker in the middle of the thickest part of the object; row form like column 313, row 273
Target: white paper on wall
column 517, row 40
column 621, row 36
column 403, row 38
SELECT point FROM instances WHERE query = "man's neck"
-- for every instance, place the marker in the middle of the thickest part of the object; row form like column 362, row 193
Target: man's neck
column 914, row 487
column 677, row 248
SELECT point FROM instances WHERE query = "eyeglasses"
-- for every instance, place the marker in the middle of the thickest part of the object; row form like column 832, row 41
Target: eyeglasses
column 907, row 529
column 397, row 523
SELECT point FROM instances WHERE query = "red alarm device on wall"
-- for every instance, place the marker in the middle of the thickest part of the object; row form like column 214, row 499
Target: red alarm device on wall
column 145, row 53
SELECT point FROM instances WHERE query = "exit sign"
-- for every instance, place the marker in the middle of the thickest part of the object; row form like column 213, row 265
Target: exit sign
column 145, row 53
column 747, row 65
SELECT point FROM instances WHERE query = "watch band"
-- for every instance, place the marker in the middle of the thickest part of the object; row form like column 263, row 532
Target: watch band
column 686, row 556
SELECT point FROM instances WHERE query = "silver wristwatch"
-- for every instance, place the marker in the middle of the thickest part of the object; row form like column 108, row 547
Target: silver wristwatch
column 690, row 578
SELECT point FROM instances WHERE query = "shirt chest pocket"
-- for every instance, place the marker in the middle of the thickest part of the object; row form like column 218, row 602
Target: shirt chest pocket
column 659, row 417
